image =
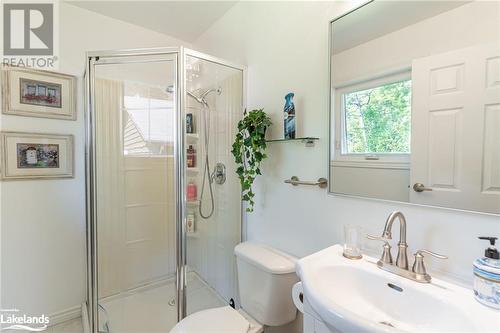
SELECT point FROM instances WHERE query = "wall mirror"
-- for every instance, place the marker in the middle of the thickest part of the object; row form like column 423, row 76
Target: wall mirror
column 415, row 103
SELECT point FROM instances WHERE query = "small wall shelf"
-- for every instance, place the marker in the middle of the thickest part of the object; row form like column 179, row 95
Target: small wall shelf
column 192, row 203
column 192, row 137
column 192, row 171
column 307, row 140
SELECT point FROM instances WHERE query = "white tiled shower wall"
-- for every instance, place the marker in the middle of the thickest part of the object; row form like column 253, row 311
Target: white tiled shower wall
column 210, row 251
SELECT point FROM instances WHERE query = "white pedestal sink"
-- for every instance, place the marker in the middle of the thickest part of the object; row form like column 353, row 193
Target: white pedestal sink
column 357, row 296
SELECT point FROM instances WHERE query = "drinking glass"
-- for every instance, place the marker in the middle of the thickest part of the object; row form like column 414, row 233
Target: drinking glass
column 352, row 242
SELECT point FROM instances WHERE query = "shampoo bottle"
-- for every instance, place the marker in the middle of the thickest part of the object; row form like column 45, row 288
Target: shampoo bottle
column 191, row 157
column 190, row 223
column 191, row 194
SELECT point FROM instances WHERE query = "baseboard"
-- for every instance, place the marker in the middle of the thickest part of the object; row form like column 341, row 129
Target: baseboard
column 65, row 315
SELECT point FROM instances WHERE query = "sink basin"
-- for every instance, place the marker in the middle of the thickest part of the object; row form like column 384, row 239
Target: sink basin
column 357, row 296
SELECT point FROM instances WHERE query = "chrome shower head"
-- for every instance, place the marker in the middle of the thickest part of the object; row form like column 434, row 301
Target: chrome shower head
column 201, row 98
column 218, row 91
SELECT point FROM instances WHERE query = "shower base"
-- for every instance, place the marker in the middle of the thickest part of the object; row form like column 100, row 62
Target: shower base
column 151, row 310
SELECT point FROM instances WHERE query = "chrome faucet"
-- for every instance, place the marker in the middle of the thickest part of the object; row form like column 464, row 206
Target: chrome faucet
column 402, row 257
column 418, row 272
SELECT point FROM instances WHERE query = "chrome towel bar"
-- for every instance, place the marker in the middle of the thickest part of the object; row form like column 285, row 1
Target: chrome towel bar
column 294, row 180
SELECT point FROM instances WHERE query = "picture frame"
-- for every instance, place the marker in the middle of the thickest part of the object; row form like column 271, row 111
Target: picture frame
column 36, row 156
column 37, row 93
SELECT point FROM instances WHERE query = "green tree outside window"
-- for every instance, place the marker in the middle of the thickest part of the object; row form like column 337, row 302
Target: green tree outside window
column 378, row 120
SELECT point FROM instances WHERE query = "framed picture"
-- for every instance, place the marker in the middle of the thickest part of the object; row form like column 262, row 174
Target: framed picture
column 32, row 155
column 36, row 93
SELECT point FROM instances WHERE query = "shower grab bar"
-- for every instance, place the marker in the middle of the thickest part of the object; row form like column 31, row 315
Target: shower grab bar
column 295, row 181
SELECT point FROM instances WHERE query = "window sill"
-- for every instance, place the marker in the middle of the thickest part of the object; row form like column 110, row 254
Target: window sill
column 369, row 164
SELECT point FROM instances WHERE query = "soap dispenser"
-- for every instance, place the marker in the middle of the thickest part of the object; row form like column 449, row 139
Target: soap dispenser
column 487, row 276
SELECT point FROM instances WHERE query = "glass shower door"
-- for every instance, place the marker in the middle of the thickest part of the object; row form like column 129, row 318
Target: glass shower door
column 161, row 235
column 134, row 137
column 213, row 107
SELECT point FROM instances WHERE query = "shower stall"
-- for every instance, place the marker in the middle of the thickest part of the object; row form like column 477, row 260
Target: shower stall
column 163, row 198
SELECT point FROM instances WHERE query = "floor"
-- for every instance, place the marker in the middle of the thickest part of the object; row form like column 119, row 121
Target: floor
column 149, row 311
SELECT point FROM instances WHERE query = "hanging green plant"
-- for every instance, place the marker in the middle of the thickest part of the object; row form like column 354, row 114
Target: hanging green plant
column 249, row 149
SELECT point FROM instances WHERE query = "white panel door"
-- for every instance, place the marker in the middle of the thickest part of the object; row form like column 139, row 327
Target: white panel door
column 456, row 129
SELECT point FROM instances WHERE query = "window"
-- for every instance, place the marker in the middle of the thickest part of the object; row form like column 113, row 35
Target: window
column 375, row 118
column 153, row 121
column 148, row 121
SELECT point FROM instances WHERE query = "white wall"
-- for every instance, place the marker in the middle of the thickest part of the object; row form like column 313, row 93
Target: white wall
column 285, row 46
column 43, row 221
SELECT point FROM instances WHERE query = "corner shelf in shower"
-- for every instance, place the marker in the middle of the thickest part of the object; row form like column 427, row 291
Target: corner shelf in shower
column 307, row 140
column 192, row 234
column 192, row 137
column 192, row 171
column 192, row 203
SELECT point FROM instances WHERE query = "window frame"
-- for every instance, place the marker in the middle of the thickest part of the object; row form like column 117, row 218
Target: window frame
column 340, row 154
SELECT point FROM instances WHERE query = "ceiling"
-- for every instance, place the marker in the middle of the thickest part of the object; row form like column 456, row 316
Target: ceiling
column 185, row 20
column 382, row 17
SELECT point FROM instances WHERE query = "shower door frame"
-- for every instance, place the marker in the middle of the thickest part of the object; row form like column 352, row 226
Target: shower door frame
column 122, row 57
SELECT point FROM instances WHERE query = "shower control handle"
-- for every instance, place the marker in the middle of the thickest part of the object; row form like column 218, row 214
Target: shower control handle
column 219, row 173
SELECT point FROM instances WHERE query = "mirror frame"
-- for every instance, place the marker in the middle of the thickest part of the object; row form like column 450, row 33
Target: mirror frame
column 331, row 125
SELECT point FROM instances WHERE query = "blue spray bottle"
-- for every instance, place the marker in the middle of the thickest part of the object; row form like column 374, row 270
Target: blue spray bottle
column 289, row 113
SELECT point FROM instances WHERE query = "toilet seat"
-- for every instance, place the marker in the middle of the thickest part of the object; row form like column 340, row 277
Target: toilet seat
column 219, row 320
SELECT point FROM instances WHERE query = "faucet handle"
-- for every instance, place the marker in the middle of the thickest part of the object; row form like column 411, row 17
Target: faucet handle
column 434, row 254
column 371, row 237
column 418, row 265
column 386, row 255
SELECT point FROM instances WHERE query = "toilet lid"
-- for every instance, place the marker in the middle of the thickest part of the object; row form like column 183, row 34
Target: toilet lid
column 219, row 320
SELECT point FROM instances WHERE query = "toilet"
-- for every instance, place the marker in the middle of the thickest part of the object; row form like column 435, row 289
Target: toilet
column 265, row 280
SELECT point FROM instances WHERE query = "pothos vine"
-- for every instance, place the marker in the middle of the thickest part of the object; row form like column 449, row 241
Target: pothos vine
column 249, row 151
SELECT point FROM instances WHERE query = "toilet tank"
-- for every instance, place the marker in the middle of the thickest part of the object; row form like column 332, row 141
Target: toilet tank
column 265, row 280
